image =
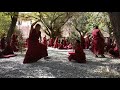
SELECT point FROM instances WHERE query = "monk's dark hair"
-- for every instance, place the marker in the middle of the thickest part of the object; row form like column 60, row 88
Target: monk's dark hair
column 96, row 27
column 78, row 41
column 38, row 25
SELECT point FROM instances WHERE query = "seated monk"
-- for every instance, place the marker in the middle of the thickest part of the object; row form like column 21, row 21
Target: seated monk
column 51, row 42
column 78, row 55
column 61, row 46
column 70, row 46
column 114, row 52
column 45, row 41
column 8, row 51
column 6, row 56
column 64, row 42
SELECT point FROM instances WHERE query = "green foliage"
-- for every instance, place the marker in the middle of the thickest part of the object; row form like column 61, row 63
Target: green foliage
column 74, row 35
column 52, row 21
column 4, row 23
column 84, row 22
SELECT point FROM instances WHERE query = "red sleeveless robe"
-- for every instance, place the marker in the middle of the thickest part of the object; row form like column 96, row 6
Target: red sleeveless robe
column 35, row 50
column 78, row 55
column 114, row 51
column 98, row 43
column 45, row 41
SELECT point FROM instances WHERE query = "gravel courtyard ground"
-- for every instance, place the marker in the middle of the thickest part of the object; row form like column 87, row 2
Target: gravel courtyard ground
column 58, row 66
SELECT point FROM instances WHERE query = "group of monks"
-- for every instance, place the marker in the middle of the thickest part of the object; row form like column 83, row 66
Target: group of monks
column 59, row 43
column 8, row 49
column 37, row 47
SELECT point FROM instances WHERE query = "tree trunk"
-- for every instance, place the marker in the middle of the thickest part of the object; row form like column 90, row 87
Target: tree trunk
column 12, row 27
column 115, row 21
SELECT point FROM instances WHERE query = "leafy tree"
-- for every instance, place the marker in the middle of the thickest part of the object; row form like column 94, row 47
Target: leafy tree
column 14, row 17
column 4, row 23
column 115, row 21
column 53, row 21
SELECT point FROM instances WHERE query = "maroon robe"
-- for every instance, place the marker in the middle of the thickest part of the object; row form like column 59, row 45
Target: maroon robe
column 70, row 46
column 45, row 41
column 64, row 42
column 56, row 43
column 82, row 42
column 26, row 43
column 78, row 55
column 35, row 50
column 14, row 42
column 87, row 42
column 97, row 42
column 61, row 46
column 51, row 42
column 114, row 51
column 8, row 50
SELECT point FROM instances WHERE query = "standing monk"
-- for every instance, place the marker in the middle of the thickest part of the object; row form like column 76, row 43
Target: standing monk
column 36, row 50
column 98, row 42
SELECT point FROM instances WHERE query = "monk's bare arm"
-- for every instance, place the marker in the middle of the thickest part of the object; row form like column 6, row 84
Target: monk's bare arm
column 33, row 26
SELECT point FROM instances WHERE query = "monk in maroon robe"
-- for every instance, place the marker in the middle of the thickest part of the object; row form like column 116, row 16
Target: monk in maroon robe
column 70, row 46
column 45, row 41
column 26, row 43
column 87, row 42
column 14, row 42
column 114, row 51
column 61, row 45
column 36, row 50
column 56, row 43
column 64, row 42
column 98, row 43
column 51, row 42
column 78, row 55
column 82, row 42
column 8, row 50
